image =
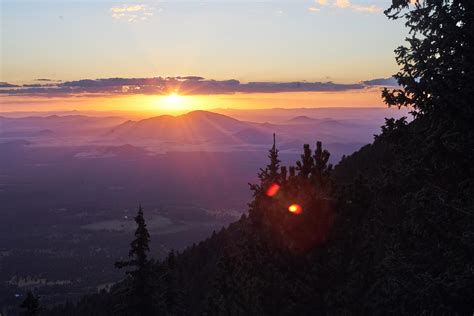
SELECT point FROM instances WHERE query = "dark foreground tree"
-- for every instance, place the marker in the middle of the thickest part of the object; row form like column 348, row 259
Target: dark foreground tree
column 414, row 245
column 268, row 176
column 437, row 71
column 30, row 306
column 139, row 292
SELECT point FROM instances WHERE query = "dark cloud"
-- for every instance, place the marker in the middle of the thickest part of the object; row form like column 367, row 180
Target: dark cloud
column 389, row 82
column 298, row 86
column 115, row 82
column 190, row 85
column 37, row 85
column 7, row 85
column 44, row 79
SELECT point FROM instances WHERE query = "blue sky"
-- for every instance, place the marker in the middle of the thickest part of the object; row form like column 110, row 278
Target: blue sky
column 333, row 40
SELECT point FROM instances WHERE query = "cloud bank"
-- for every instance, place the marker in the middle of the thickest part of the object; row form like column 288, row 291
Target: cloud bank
column 186, row 85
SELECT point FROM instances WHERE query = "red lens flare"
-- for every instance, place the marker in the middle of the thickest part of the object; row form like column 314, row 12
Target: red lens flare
column 295, row 209
column 273, row 189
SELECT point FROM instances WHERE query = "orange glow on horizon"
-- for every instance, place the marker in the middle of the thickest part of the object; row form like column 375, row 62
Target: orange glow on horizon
column 295, row 209
column 175, row 102
column 273, row 189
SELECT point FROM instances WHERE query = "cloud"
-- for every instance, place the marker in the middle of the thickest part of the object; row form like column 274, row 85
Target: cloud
column 188, row 85
column 131, row 13
column 38, row 85
column 388, row 82
column 344, row 4
column 7, row 85
column 128, row 8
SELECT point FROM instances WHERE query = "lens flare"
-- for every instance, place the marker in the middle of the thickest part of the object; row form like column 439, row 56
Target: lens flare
column 273, row 189
column 295, row 209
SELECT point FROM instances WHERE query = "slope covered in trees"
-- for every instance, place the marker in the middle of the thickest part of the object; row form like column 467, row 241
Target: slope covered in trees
column 379, row 235
column 388, row 231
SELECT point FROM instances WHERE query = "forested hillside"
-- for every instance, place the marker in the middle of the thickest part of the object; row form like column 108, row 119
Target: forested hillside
column 389, row 230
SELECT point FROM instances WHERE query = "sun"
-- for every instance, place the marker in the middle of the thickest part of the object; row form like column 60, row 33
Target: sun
column 173, row 98
column 173, row 102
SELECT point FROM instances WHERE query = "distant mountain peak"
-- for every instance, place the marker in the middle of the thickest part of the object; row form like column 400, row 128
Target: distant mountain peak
column 302, row 119
column 189, row 127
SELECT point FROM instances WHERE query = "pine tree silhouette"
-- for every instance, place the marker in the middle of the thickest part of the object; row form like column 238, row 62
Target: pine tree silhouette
column 305, row 166
column 274, row 165
column 321, row 170
column 268, row 176
column 139, row 294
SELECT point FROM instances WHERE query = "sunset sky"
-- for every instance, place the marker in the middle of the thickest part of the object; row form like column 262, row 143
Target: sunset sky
column 240, row 54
